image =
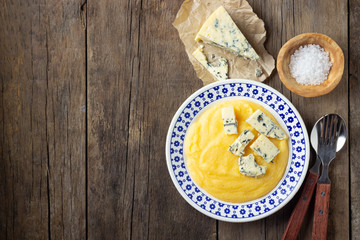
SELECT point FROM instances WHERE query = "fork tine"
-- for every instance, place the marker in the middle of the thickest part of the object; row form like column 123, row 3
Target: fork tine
column 331, row 127
column 322, row 133
column 335, row 125
column 327, row 127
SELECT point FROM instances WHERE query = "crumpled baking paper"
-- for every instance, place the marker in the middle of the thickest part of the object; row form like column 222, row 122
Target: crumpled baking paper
column 191, row 16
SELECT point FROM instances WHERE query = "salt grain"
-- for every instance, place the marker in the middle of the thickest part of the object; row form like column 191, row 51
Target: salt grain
column 310, row 65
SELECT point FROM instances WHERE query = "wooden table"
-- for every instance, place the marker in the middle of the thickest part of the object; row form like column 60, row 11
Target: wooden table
column 88, row 89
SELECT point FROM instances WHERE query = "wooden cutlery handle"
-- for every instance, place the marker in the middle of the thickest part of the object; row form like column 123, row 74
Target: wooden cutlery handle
column 321, row 211
column 298, row 214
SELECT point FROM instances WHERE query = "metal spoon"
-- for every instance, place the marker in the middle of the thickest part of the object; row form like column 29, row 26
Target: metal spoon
column 317, row 128
column 331, row 134
column 298, row 214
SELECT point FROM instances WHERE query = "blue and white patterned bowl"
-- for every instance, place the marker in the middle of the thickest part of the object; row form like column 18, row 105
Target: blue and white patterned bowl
column 286, row 115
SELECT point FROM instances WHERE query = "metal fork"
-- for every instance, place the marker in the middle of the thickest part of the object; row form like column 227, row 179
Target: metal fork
column 327, row 145
column 329, row 134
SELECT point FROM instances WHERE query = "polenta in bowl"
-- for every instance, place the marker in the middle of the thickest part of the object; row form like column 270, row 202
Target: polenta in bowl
column 215, row 169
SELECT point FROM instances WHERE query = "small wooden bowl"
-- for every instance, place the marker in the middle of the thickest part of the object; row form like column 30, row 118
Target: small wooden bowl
column 336, row 71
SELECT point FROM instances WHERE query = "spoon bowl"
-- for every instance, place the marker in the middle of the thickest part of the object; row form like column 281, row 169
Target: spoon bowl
column 317, row 129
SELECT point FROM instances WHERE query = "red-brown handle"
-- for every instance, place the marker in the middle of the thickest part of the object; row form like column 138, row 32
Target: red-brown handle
column 298, row 214
column 321, row 211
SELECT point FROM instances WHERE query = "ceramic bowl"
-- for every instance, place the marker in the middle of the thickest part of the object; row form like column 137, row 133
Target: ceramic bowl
column 285, row 114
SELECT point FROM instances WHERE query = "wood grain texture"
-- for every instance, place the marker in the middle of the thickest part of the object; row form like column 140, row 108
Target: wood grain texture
column 112, row 36
column 321, row 211
column 296, row 17
column 278, row 17
column 252, row 230
column 129, row 79
column 3, row 168
column 299, row 212
column 43, row 138
column 24, row 198
column 166, row 73
column 65, row 115
column 88, row 90
column 320, row 17
column 354, row 116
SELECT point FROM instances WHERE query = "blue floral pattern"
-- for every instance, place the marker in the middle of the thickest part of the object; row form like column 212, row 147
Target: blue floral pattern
column 298, row 148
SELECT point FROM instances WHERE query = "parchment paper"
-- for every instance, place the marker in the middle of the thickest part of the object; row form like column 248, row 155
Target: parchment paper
column 191, row 16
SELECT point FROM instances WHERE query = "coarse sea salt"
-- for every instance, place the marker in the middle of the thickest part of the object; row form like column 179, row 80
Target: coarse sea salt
column 310, row 65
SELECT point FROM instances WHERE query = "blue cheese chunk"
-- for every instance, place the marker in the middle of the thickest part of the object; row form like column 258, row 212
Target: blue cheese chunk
column 241, row 142
column 265, row 148
column 220, row 30
column 249, row 167
column 258, row 72
column 218, row 69
column 264, row 125
column 229, row 120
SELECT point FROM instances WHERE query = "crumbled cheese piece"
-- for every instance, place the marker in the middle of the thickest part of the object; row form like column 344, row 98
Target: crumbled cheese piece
column 238, row 147
column 229, row 120
column 249, row 167
column 265, row 148
column 258, row 72
column 310, row 65
column 264, row 125
column 219, row 70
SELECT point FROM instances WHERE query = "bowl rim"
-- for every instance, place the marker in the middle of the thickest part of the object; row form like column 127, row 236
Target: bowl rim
column 193, row 204
column 301, row 91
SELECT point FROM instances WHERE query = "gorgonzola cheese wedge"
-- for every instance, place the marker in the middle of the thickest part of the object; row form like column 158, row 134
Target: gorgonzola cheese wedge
column 249, row 167
column 265, row 148
column 219, row 70
column 220, row 30
column 241, row 142
column 229, row 120
column 264, row 125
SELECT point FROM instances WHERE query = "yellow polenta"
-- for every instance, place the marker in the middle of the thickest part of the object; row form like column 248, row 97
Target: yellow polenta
column 215, row 169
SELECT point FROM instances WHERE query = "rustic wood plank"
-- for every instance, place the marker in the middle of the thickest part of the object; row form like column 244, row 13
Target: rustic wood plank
column 354, row 116
column 328, row 18
column 43, row 86
column 288, row 15
column 65, row 114
column 166, row 72
column 3, row 196
column 138, row 141
column 112, row 30
column 24, row 181
column 252, row 230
